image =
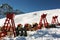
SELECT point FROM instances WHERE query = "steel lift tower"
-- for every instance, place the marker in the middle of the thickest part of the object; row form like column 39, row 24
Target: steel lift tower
column 9, row 22
column 55, row 20
column 43, row 21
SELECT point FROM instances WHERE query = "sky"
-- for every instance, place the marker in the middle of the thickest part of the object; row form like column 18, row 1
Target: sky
column 32, row 5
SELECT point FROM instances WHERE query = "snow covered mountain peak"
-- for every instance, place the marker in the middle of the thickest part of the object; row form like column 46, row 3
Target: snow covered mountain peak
column 5, row 8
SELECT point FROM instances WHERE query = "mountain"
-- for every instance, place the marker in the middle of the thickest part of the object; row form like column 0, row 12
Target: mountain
column 5, row 8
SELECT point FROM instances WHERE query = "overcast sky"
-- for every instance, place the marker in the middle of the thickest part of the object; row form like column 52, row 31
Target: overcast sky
column 32, row 5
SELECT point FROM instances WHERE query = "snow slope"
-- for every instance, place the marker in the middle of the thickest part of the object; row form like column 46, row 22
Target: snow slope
column 43, row 34
column 34, row 17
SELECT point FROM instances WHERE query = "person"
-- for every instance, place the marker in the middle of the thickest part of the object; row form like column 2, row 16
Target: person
column 27, row 27
column 35, row 27
column 20, row 31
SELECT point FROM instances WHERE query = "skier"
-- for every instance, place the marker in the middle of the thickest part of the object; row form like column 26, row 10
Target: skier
column 20, row 30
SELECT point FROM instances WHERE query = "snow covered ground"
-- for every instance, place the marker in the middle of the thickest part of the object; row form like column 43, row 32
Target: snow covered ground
column 46, row 34
column 42, row 34
column 34, row 17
